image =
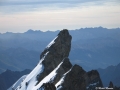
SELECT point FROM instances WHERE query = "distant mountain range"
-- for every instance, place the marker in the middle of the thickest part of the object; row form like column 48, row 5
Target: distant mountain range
column 111, row 73
column 18, row 59
column 92, row 48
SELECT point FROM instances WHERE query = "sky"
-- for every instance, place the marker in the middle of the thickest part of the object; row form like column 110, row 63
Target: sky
column 21, row 15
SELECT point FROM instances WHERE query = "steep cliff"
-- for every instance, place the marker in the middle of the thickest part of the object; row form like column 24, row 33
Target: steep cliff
column 55, row 69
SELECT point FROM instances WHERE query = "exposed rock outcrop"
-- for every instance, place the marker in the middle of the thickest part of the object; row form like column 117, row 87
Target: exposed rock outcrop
column 78, row 79
column 66, row 66
column 111, row 85
column 48, row 86
column 75, row 78
column 93, row 80
column 57, row 50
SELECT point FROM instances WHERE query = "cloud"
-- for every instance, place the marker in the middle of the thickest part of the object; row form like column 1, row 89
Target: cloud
column 35, row 2
column 11, row 6
column 31, row 2
column 54, row 15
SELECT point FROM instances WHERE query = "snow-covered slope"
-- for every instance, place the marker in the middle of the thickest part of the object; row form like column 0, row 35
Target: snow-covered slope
column 58, row 84
column 16, row 84
column 48, row 78
column 28, row 82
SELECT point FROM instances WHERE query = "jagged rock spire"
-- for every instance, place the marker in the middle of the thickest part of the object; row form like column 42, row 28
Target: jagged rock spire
column 76, row 79
column 57, row 50
column 55, row 67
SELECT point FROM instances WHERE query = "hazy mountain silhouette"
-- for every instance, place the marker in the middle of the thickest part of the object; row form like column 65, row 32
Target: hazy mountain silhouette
column 111, row 73
column 91, row 48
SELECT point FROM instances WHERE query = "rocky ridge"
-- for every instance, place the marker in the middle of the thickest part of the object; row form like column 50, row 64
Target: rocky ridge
column 58, row 50
column 60, row 71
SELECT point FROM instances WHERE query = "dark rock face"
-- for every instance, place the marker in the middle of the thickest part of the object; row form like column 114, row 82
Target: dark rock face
column 75, row 78
column 110, row 85
column 56, row 52
column 78, row 79
column 62, row 45
column 66, row 65
column 48, row 86
column 93, row 80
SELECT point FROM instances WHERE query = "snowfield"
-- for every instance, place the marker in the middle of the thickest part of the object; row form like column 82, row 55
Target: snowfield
column 28, row 82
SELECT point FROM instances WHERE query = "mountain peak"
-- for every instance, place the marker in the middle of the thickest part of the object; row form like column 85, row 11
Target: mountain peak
column 30, row 31
column 60, row 44
column 55, row 68
column 57, row 50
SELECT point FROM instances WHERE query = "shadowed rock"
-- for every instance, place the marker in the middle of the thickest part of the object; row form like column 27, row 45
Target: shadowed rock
column 76, row 78
column 111, row 85
column 56, row 52
column 48, row 86
column 65, row 66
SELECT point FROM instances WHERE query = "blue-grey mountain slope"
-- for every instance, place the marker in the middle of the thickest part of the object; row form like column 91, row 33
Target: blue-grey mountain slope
column 111, row 73
column 91, row 48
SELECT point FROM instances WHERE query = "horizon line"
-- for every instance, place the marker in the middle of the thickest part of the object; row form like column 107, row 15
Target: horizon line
column 34, row 30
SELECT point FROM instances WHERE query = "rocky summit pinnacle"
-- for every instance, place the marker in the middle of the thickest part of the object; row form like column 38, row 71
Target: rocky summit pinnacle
column 58, row 49
column 55, row 72
column 61, row 45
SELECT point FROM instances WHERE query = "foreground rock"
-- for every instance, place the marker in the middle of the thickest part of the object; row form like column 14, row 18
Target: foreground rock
column 78, row 79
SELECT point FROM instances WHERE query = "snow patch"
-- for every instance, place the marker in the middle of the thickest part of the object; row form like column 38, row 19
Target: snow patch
column 61, row 80
column 52, row 42
column 15, row 85
column 92, row 84
column 48, row 78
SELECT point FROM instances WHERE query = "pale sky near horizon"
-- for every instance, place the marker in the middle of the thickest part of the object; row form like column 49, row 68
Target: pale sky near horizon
column 21, row 15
